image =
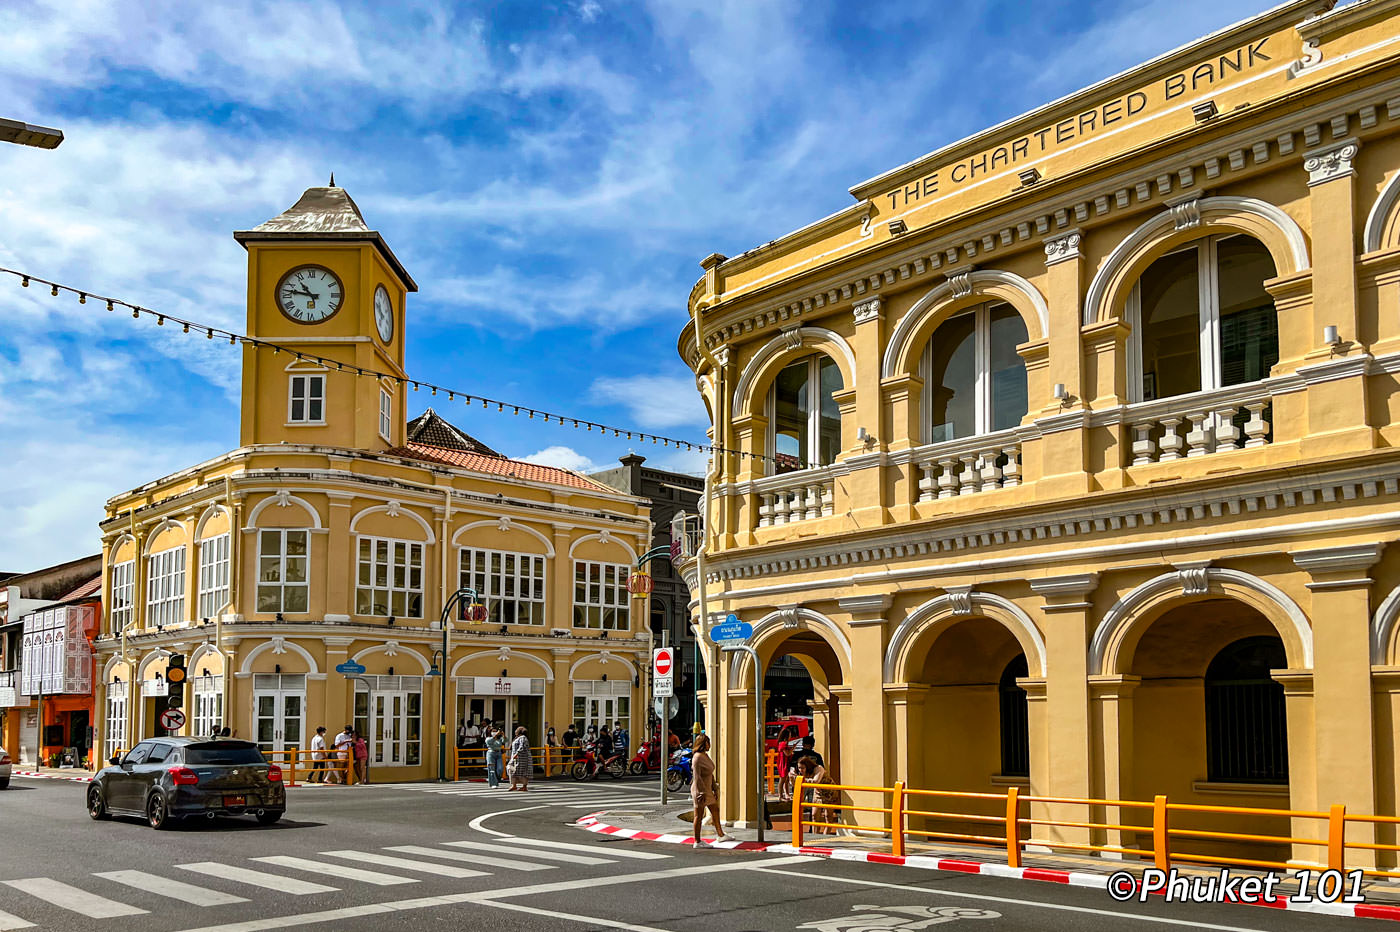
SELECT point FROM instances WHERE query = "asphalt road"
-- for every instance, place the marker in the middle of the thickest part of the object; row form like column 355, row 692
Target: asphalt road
column 358, row 858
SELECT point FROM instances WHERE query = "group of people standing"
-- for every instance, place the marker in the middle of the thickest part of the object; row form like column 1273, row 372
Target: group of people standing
column 349, row 745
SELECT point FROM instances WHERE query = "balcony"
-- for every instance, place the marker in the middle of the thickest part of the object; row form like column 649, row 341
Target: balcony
column 981, row 463
column 795, row 496
column 1201, row 424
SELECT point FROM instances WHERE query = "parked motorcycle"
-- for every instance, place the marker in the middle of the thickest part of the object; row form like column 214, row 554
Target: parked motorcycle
column 590, row 765
column 679, row 773
column 646, row 758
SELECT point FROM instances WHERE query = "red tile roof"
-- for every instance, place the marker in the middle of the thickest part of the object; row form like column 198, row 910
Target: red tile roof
column 88, row 590
column 496, row 465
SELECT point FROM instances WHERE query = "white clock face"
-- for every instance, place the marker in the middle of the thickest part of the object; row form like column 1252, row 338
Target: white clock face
column 309, row 294
column 383, row 314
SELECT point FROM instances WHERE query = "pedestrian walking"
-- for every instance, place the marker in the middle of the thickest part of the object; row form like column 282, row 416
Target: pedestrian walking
column 360, row 750
column 814, row 775
column 704, row 789
column 340, row 773
column 521, row 765
column 553, row 753
column 318, row 756
column 493, row 758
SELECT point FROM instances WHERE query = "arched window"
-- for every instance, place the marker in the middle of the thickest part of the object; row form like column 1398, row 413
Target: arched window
column 1015, row 721
column 1246, row 729
column 975, row 381
column 1201, row 319
column 804, row 421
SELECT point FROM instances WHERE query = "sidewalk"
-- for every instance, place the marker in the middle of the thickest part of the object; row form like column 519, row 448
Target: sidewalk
column 670, row 824
column 76, row 774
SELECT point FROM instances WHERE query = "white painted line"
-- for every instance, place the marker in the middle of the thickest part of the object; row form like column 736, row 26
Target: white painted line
column 10, row 921
column 476, row 826
column 383, row 860
column 256, row 878
column 336, row 870
column 542, row 855
column 507, row 863
column 175, row 889
column 593, row 921
column 1006, row 899
column 613, row 851
column 71, row 898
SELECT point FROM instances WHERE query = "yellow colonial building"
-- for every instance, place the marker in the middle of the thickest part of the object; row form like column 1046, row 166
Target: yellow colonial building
column 338, row 530
column 1066, row 454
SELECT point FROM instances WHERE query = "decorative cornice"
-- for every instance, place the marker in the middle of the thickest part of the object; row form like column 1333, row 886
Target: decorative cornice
column 865, row 609
column 1324, row 165
column 867, row 310
column 1186, row 213
column 1353, row 558
column 1194, row 577
column 1063, row 247
column 960, row 599
column 1073, row 586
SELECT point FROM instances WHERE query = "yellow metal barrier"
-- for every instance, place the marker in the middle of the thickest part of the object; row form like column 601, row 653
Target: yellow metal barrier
column 1014, row 831
column 771, row 777
column 303, row 760
column 553, row 761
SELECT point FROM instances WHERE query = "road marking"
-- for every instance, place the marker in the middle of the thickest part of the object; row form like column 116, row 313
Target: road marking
column 613, row 851
column 442, row 870
column 490, row 896
column 175, row 889
column 1006, row 899
column 71, row 898
column 336, row 870
column 476, row 826
column 591, row 920
column 471, row 858
column 542, row 855
column 256, row 878
column 9, row 921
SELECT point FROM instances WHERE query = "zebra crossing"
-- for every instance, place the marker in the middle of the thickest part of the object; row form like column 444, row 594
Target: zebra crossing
column 226, row 883
column 568, row 795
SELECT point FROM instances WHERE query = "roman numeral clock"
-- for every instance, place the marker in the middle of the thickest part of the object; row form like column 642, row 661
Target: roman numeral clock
column 310, row 294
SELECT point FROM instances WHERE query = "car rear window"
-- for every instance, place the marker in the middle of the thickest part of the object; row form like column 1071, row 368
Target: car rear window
column 222, row 754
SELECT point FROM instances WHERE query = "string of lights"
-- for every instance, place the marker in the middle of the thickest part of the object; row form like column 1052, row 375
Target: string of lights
column 469, row 398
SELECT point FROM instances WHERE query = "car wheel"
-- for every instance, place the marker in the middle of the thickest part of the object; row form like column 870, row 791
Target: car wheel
column 96, row 805
column 5, row 784
column 269, row 818
column 157, row 815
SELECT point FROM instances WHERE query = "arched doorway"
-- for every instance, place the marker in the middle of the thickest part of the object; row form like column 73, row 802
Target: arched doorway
column 798, row 679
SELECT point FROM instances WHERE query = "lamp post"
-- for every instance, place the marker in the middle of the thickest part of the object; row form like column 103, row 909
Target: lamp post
column 456, row 597
column 25, row 134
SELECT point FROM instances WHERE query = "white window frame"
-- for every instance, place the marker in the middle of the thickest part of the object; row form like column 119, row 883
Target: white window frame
column 982, row 378
column 207, row 700
column 280, row 583
column 814, row 412
column 123, row 595
column 386, row 415
column 1208, row 301
column 305, row 381
column 165, row 588
column 620, row 598
column 381, row 719
column 213, row 575
column 490, row 585
column 392, row 587
column 114, row 735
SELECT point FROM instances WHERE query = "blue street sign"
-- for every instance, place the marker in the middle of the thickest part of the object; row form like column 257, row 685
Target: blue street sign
column 732, row 630
column 349, row 667
column 731, row 619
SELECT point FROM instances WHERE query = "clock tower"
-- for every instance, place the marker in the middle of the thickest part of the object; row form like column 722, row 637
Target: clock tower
column 321, row 282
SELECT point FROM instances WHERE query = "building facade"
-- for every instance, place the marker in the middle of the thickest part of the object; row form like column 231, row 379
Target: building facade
column 1066, row 453
column 337, row 532
column 667, row 493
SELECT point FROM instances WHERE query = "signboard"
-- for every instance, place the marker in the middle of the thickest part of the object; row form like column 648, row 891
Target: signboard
column 731, row 631
column 665, row 707
column 499, row 686
column 350, row 667
column 172, row 720
column 663, row 672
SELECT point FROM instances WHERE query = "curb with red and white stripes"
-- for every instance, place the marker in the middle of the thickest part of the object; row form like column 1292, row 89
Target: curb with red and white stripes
column 35, row 775
column 924, row 862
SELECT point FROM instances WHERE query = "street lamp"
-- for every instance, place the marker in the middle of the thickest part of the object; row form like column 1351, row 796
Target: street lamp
column 456, row 597
column 26, row 134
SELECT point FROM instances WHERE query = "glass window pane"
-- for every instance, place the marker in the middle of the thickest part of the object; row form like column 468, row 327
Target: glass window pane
column 1248, row 321
column 295, row 599
column 953, row 379
column 1170, row 317
column 1008, row 375
column 296, row 542
column 791, row 406
column 829, row 415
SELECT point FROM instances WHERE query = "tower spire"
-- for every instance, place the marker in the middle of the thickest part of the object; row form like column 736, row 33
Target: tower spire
column 332, row 179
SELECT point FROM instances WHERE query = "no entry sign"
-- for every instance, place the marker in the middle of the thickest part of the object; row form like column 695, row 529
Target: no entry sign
column 663, row 668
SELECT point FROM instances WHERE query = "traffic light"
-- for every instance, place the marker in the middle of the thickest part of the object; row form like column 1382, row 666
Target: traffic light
column 175, row 676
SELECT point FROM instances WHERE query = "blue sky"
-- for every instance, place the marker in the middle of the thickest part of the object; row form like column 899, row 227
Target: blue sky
column 550, row 174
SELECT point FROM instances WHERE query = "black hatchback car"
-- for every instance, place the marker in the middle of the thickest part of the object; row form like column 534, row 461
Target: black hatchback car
column 164, row 780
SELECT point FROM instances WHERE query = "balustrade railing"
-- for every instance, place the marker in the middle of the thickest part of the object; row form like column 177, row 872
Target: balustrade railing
column 794, row 497
column 1198, row 425
column 964, row 467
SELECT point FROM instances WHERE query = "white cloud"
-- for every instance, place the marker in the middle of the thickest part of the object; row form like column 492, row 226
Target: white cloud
column 563, row 458
column 590, row 10
column 658, row 402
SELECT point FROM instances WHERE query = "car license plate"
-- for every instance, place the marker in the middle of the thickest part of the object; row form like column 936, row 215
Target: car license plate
column 232, row 801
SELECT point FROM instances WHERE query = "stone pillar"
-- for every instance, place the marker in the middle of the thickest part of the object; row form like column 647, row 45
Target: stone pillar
column 341, row 569
column 1302, row 757
column 337, row 693
column 907, row 747
column 1111, row 699
column 1337, row 401
column 560, row 705
column 559, row 606
column 865, row 755
column 1344, row 721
